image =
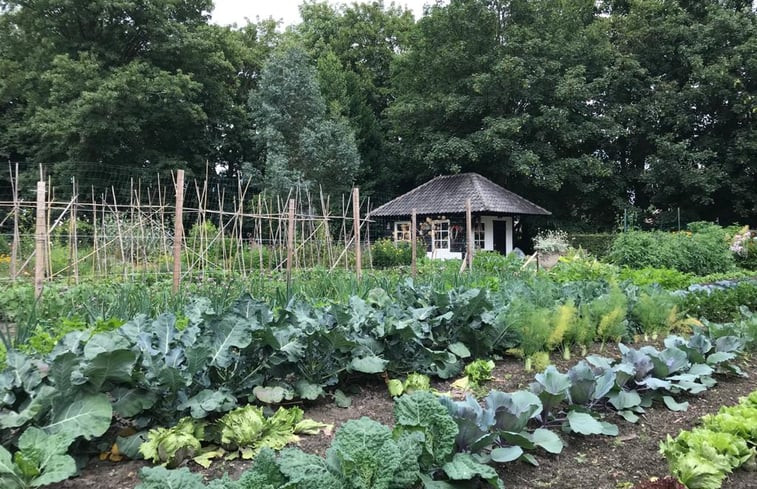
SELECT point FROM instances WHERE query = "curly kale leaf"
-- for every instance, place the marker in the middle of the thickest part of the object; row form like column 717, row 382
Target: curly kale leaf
column 422, row 412
column 264, row 473
column 162, row 478
column 306, row 471
column 367, row 456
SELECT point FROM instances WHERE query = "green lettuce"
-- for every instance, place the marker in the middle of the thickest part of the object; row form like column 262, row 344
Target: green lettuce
column 170, row 446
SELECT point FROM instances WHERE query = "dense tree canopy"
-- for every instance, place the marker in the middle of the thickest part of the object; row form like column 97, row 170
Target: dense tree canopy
column 589, row 108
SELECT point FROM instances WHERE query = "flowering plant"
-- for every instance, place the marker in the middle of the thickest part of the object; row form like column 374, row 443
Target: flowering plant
column 552, row 241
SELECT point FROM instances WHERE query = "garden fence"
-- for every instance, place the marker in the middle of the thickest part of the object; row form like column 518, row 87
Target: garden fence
column 128, row 230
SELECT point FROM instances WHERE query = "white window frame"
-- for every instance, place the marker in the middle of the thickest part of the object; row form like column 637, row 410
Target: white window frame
column 436, row 232
column 399, row 234
column 479, row 235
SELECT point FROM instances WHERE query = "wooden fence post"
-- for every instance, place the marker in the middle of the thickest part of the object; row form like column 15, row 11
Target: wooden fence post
column 290, row 243
column 469, row 235
column 356, row 224
column 413, row 244
column 178, row 230
column 40, row 236
column 16, row 236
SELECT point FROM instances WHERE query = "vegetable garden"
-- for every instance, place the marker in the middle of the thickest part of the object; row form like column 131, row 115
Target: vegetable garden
column 483, row 379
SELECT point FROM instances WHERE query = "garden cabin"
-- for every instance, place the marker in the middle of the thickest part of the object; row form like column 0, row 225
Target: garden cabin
column 440, row 215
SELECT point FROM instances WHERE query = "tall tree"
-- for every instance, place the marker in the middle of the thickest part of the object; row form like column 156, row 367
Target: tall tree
column 305, row 146
column 354, row 47
column 135, row 85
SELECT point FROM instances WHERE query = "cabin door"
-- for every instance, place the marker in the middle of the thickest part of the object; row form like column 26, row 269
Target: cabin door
column 500, row 236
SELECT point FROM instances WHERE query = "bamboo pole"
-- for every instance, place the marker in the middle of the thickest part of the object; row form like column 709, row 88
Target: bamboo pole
column 16, row 236
column 178, row 234
column 72, row 236
column 290, row 243
column 356, row 224
column 40, row 237
column 469, row 235
column 413, row 244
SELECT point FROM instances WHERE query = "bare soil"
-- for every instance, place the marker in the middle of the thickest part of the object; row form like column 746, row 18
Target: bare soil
column 586, row 462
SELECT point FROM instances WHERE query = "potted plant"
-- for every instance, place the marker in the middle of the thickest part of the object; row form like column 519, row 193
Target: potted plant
column 550, row 245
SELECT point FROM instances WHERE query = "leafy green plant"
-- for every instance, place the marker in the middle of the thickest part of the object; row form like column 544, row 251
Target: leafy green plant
column 655, row 313
column 386, row 253
column 702, row 458
column 534, row 326
column 41, row 459
column 608, row 313
column 413, row 382
column 171, row 446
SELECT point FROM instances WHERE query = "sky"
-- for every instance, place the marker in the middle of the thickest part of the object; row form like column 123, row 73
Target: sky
column 237, row 11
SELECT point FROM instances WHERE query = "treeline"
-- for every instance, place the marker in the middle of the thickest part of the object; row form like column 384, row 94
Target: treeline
column 590, row 108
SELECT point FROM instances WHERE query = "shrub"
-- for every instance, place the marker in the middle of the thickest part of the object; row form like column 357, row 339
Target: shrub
column 386, row 253
column 702, row 250
column 721, row 304
column 576, row 266
column 744, row 248
column 495, row 263
column 597, row 244
column 667, row 278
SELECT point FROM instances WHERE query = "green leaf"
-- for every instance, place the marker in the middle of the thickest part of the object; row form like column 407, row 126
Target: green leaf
column 547, row 439
column 49, row 454
column 8, row 472
column 625, row 400
column 130, row 402
column 341, row 399
column 459, row 349
column 114, row 366
column 585, row 424
column 88, row 416
column 369, row 365
column 464, row 468
column 395, row 387
column 673, row 405
column 306, row 390
column 506, row 454
column 269, row 395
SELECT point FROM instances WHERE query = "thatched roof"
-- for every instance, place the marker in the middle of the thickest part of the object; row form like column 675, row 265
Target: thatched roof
column 447, row 195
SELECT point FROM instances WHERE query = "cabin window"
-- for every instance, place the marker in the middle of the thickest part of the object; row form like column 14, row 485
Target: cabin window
column 402, row 231
column 441, row 234
column 479, row 235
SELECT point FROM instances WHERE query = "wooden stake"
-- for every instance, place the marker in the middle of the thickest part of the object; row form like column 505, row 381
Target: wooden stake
column 40, row 237
column 178, row 230
column 290, row 243
column 16, row 236
column 469, row 235
column 356, row 224
column 413, row 244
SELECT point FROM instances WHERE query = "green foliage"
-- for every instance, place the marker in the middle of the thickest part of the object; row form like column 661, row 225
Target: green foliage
column 597, row 244
column 667, row 278
column 304, row 145
column 385, row 253
column 609, row 313
column 534, row 326
column 41, row 459
column 479, row 372
column 655, row 312
column 720, row 304
column 702, row 458
column 413, row 382
column 577, row 266
column 421, row 414
column 497, row 264
column 701, row 251
column 171, row 446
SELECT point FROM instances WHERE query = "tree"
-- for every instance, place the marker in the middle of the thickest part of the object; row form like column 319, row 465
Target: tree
column 96, row 88
column 305, row 146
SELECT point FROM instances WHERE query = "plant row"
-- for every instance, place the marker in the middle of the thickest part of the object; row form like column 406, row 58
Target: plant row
column 437, row 442
column 703, row 457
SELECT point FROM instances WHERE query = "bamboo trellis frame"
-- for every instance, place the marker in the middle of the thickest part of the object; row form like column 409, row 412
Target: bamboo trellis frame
column 238, row 232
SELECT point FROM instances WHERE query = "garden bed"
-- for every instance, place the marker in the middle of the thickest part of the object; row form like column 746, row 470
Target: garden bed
column 597, row 461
